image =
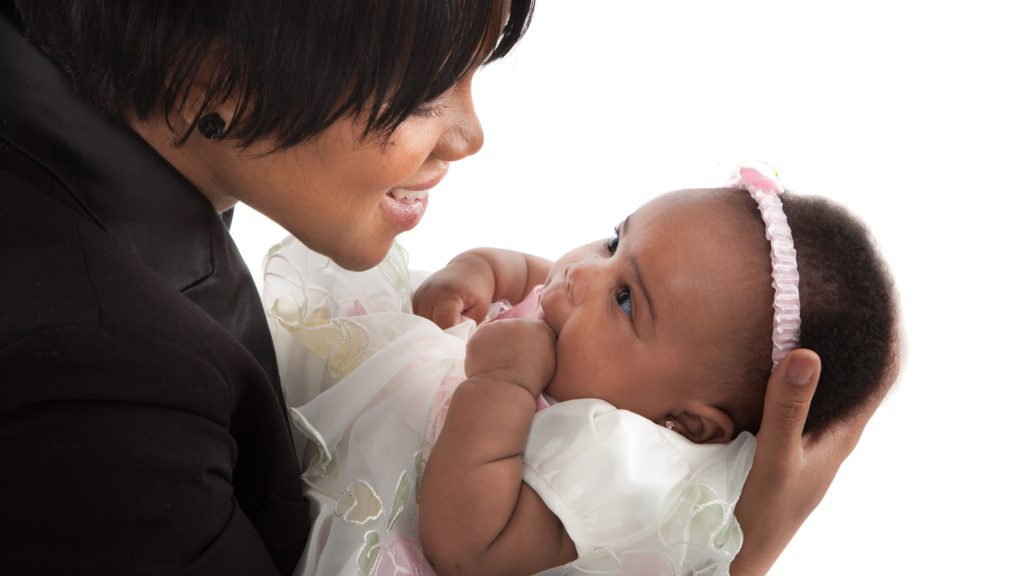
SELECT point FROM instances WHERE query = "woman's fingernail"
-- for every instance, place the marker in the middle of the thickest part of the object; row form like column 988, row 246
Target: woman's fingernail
column 801, row 369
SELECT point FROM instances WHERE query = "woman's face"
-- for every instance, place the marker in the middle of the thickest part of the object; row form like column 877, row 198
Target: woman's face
column 340, row 194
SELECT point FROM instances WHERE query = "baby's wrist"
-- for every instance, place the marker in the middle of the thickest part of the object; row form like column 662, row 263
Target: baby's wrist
column 510, row 377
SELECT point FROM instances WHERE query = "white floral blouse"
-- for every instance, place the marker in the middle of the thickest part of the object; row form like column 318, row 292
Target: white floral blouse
column 367, row 384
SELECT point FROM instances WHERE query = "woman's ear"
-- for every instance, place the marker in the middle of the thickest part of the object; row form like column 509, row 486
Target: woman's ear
column 702, row 424
column 158, row 128
column 191, row 109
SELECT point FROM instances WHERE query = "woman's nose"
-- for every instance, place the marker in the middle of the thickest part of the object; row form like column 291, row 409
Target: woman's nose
column 463, row 136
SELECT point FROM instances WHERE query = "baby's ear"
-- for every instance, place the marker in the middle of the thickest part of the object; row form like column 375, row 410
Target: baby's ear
column 703, row 424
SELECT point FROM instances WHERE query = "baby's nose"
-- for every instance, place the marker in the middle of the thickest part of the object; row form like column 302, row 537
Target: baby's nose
column 579, row 277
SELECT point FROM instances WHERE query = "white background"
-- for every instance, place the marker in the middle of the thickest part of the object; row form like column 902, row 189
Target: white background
column 908, row 112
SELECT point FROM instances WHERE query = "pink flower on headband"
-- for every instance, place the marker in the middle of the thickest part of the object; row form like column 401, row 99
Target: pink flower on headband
column 754, row 178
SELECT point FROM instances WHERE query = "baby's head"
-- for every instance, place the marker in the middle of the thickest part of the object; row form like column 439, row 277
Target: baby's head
column 672, row 317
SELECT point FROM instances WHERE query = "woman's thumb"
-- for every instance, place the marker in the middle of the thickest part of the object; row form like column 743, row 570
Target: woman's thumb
column 788, row 398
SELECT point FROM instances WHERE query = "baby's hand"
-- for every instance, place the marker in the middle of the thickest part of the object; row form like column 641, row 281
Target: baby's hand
column 518, row 350
column 463, row 288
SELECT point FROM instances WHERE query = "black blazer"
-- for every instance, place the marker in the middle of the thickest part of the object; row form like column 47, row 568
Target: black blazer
column 142, row 427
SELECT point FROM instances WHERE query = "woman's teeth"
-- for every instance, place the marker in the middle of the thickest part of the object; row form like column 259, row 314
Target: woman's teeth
column 400, row 194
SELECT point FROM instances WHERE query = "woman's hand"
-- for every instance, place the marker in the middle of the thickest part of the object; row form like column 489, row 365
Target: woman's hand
column 792, row 472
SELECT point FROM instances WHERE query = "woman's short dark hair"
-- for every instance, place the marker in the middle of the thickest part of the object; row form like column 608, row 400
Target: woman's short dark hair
column 295, row 66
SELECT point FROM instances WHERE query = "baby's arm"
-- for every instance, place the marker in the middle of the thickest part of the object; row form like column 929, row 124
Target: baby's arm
column 476, row 515
column 474, row 279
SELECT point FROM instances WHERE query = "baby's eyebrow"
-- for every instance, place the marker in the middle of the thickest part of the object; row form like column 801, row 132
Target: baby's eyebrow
column 635, row 267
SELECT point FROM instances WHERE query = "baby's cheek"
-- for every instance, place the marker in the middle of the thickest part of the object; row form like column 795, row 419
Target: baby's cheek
column 577, row 375
column 557, row 389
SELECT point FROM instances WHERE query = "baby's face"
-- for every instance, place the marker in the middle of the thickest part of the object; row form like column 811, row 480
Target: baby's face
column 647, row 319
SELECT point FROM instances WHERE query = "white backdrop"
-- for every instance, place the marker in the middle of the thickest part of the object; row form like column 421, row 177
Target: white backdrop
column 909, row 112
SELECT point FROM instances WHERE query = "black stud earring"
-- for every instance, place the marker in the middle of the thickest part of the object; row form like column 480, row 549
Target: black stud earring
column 211, row 126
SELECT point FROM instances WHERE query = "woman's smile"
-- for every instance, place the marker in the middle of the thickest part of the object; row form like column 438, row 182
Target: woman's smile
column 404, row 209
column 405, row 205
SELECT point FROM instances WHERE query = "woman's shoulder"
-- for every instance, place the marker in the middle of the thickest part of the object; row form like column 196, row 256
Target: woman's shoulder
column 65, row 282
column 52, row 259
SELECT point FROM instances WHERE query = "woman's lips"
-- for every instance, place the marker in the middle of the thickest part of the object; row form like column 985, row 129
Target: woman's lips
column 405, row 211
column 426, row 184
column 404, row 206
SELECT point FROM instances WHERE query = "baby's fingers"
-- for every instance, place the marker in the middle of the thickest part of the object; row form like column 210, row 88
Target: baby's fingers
column 447, row 313
column 518, row 350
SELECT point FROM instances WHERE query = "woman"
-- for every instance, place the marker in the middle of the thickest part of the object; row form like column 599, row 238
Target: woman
column 143, row 425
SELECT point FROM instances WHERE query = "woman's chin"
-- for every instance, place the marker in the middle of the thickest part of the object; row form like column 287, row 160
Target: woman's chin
column 359, row 255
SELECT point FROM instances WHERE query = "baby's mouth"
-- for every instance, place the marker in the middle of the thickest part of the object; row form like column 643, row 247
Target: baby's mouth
column 547, row 293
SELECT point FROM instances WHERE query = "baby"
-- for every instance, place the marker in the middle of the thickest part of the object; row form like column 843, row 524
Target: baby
column 652, row 349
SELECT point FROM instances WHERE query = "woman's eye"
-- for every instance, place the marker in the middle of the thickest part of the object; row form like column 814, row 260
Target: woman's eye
column 428, row 110
column 624, row 299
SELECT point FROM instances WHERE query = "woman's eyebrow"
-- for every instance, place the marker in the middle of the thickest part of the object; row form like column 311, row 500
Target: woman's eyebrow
column 635, row 267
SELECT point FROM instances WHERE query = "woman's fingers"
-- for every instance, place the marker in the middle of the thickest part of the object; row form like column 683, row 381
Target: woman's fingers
column 778, row 494
column 792, row 472
column 787, row 400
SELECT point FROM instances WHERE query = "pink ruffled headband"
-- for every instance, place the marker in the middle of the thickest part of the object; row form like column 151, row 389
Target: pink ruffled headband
column 764, row 186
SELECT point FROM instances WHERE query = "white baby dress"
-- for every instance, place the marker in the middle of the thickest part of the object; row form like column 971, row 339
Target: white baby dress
column 367, row 384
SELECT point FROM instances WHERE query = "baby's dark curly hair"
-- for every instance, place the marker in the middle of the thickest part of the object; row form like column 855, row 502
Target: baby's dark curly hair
column 848, row 306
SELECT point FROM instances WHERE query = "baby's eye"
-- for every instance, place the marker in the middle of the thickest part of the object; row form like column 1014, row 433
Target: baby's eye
column 612, row 244
column 624, row 298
